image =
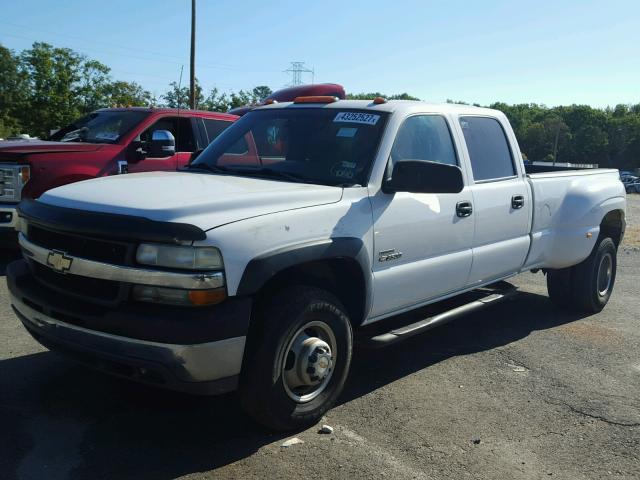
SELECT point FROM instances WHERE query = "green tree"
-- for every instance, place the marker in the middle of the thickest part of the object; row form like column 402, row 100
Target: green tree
column 371, row 96
column 178, row 97
column 52, row 75
column 128, row 94
column 259, row 93
column 12, row 92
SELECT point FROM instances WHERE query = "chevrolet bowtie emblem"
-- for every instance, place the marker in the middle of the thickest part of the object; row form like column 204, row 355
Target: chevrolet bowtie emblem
column 59, row 261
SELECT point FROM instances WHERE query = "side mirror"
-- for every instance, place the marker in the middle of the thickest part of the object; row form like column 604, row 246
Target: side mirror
column 162, row 144
column 422, row 176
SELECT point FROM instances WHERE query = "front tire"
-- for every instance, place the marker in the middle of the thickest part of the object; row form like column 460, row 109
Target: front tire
column 297, row 359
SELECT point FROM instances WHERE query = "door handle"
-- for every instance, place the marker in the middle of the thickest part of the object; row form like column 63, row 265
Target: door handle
column 464, row 208
column 517, row 201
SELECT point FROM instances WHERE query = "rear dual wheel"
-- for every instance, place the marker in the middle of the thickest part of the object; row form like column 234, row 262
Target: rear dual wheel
column 587, row 286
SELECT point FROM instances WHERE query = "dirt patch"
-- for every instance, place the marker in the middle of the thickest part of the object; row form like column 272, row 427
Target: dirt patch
column 590, row 332
column 632, row 235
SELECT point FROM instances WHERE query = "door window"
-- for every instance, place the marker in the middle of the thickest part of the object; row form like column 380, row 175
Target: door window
column 488, row 148
column 424, row 137
column 180, row 128
column 214, row 127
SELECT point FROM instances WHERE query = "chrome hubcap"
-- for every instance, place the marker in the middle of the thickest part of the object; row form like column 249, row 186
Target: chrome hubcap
column 605, row 273
column 309, row 360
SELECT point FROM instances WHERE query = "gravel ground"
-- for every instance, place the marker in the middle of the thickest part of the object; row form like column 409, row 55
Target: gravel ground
column 632, row 236
column 519, row 391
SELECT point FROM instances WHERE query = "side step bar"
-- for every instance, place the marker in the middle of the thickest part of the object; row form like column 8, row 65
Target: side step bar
column 488, row 296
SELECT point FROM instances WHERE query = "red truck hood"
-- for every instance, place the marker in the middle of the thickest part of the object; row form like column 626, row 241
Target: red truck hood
column 13, row 150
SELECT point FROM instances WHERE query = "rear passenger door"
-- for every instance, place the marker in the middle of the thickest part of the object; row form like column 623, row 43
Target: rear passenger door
column 501, row 200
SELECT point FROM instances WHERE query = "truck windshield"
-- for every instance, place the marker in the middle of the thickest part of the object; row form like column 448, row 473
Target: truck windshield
column 312, row 145
column 100, row 127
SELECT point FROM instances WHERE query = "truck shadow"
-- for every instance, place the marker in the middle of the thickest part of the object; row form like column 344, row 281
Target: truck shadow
column 60, row 420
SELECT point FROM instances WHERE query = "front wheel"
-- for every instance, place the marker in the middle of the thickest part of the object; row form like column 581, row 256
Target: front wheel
column 297, row 359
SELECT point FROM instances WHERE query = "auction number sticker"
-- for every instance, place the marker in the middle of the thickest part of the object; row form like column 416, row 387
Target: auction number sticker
column 357, row 117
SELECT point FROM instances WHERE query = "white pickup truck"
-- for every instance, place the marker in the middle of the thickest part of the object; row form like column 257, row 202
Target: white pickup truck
column 302, row 225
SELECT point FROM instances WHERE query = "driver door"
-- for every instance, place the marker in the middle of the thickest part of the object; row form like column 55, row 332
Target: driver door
column 183, row 132
column 422, row 242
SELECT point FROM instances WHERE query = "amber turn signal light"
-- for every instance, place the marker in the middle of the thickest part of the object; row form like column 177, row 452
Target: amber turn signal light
column 207, row 297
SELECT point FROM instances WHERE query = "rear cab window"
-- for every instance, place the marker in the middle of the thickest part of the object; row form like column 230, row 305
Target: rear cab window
column 488, row 147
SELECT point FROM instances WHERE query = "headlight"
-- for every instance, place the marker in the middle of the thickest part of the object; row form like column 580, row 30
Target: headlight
column 176, row 256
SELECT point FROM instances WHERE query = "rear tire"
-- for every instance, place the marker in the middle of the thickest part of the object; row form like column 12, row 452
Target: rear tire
column 593, row 279
column 559, row 287
column 297, row 359
column 587, row 286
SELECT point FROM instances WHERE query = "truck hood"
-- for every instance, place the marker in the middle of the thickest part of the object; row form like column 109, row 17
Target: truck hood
column 12, row 151
column 204, row 200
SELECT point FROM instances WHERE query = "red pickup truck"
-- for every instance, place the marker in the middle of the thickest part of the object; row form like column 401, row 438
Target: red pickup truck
column 105, row 142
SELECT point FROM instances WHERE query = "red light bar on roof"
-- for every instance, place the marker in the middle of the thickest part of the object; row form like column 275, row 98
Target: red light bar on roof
column 316, row 99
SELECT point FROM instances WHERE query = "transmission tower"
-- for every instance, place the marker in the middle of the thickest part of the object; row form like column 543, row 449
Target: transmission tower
column 296, row 70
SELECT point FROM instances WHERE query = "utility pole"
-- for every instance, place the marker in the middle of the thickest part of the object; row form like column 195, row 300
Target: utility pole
column 192, row 80
column 296, row 70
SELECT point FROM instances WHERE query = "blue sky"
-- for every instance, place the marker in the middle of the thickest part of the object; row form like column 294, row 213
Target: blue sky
column 556, row 53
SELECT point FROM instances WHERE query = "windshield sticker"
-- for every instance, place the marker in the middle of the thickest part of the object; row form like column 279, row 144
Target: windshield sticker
column 107, row 136
column 344, row 169
column 347, row 132
column 356, row 117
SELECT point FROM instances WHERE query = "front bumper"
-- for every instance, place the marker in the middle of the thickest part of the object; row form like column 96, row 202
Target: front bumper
column 210, row 367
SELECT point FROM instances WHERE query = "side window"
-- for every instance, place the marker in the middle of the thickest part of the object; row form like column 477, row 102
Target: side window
column 181, row 129
column 488, row 148
column 214, row 127
column 424, row 137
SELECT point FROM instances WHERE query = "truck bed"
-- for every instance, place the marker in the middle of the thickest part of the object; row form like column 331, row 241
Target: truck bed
column 567, row 211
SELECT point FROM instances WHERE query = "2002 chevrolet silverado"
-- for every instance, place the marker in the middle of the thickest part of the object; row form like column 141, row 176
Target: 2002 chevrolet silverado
column 301, row 225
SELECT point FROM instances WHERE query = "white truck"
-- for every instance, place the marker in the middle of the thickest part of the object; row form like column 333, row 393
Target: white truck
column 302, row 225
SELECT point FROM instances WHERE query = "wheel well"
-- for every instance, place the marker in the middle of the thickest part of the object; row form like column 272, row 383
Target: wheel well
column 612, row 225
column 343, row 277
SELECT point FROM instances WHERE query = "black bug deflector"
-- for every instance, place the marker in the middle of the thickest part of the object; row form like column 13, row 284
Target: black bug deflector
column 107, row 225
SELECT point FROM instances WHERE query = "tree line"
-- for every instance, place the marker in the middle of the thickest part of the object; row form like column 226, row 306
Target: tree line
column 45, row 87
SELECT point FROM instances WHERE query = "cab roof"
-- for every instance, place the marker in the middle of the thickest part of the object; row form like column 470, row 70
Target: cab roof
column 391, row 106
column 176, row 111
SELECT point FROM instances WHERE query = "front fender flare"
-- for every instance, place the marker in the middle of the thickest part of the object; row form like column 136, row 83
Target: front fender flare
column 262, row 268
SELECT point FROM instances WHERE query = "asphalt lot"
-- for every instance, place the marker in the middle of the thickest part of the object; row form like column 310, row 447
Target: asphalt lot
column 517, row 391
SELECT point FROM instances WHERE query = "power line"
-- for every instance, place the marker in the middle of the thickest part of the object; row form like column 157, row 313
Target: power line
column 164, row 57
column 296, row 70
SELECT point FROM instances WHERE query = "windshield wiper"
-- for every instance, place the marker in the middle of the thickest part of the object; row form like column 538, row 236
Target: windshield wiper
column 272, row 173
column 208, row 168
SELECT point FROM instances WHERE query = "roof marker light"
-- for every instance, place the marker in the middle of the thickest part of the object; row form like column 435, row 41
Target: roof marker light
column 379, row 100
column 269, row 101
column 316, row 99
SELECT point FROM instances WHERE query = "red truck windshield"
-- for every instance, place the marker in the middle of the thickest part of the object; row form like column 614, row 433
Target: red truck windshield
column 100, row 127
column 314, row 145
